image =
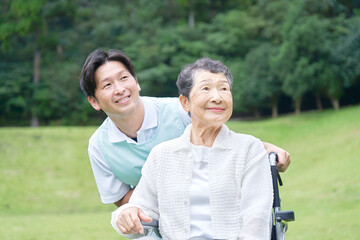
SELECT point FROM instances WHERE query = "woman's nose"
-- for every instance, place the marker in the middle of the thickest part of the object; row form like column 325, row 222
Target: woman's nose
column 215, row 96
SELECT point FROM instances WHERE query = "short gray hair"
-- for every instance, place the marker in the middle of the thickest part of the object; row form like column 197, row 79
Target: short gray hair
column 185, row 79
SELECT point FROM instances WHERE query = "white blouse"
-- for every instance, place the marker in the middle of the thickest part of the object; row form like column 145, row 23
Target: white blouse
column 239, row 186
column 200, row 219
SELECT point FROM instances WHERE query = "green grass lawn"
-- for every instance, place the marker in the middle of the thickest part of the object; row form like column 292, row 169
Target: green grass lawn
column 47, row 190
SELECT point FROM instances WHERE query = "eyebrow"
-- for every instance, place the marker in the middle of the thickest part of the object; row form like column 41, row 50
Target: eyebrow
column 117, row 74
column 209, row 80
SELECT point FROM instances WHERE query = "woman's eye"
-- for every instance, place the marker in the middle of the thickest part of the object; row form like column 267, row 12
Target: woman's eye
column 124, row 77
column 205, row 88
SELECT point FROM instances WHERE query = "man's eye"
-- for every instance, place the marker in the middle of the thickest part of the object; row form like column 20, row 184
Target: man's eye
column 205, row 88
column 124, row 77
column 106, row 85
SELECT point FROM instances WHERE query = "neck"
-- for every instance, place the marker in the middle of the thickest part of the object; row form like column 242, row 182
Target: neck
column 204, row 136
column 130, row 124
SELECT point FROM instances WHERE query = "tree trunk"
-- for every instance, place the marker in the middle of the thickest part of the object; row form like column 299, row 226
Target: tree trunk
column 274, row 107
column 318, row 102
column 36, row 79
column 191, row 14
column 256, row 113
column 298, row 105
column 335, row 103
column 214, row 8
column 60, row 52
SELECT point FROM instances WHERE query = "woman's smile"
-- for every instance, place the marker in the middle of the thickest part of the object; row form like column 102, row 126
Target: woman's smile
column 216, row 109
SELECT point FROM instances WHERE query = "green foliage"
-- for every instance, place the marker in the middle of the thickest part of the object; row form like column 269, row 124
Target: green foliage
column 21, row 17
column 272, row 48
column 15, row 90
column 262, row 84
column 346, row 54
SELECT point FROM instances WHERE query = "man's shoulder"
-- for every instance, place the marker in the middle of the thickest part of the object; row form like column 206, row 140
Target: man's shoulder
column 161, row 100
column 100, row 130
column 168, row 145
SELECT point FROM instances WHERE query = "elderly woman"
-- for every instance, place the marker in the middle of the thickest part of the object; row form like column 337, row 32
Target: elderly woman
column 210, row 183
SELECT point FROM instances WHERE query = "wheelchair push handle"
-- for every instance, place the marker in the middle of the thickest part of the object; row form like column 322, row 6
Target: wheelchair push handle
column 273, row 158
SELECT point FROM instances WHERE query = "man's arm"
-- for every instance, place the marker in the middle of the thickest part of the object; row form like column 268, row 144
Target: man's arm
column 283, row 156
column 125, row 199
column 111, row 189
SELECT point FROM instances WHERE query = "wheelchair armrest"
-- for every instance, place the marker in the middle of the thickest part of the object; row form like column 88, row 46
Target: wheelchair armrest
column 154, row 224
column 286, row 216
column 151, row 227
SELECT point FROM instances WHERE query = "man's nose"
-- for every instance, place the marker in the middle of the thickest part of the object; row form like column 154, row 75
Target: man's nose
column 119, row 89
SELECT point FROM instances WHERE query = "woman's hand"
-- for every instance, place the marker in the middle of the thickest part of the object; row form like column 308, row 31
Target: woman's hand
column 129, row 220
column 283, row 156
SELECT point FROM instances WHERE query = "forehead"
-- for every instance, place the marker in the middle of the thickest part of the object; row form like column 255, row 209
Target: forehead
column 202, row 75
column 109, row 69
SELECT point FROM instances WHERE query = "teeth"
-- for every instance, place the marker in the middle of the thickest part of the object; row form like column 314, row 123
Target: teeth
column 123, row 100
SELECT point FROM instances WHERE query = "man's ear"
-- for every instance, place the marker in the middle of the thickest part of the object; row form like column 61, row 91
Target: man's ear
column 94, row 103
column 138, row 85
column 184, row 103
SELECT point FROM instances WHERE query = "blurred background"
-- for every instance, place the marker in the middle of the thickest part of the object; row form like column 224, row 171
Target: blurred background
column 285, row 56
column 296, row 72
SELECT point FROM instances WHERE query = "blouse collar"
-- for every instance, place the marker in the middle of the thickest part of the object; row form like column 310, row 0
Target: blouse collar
column 222, row 140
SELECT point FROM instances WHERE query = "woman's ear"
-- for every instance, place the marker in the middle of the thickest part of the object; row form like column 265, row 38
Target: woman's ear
column 184, row 103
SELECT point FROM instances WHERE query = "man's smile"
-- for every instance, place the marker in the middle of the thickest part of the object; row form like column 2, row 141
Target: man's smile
column 123, row 100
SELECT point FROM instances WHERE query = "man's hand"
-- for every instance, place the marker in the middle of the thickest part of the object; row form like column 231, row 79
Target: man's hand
column 283, row 156
column 129, row 220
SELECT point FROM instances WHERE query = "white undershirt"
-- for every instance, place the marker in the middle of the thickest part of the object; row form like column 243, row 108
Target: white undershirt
column 200, row 218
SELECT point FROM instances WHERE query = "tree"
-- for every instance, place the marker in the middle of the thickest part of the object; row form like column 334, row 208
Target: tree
column 262, row 79
column 346, row 56
column 36, row 23
column 304, row 59
column 23, row 19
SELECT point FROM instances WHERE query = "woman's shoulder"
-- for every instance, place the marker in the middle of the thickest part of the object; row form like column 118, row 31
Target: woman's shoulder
column 243, row 137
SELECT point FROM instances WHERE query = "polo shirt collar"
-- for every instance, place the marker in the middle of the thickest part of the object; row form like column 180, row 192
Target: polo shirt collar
column 150, row 121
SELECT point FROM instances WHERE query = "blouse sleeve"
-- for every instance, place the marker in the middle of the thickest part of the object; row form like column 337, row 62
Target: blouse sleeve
column 256, row 194
column 145, row 193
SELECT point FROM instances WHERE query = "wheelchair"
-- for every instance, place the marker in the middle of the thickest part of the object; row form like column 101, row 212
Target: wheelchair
column 280, row 218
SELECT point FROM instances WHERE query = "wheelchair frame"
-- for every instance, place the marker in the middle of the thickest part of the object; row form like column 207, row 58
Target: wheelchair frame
column 280, row 218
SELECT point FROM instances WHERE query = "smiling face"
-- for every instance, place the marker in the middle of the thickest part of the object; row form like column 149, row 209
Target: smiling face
column 210, row 101
column 117, row 91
